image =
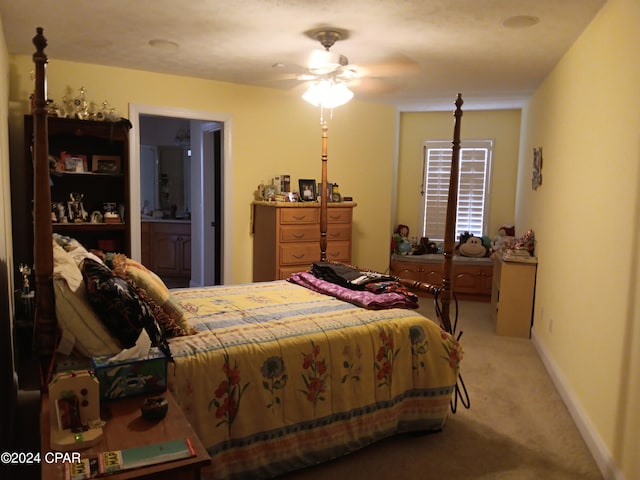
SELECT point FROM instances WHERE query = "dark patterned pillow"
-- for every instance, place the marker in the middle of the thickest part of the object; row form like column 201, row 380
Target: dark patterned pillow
column 120, row 307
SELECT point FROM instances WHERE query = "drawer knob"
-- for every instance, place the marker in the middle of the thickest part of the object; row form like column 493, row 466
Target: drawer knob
column 298, row 256
column 298, row 235
column 299, row 218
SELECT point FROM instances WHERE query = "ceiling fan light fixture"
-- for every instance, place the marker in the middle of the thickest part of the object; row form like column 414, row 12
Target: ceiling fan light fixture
column 327, row 94
column 324, row 61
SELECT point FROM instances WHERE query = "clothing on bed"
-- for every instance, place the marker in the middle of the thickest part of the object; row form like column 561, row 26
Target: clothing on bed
column 362, row 298
column 346, row 275
column 354, row 279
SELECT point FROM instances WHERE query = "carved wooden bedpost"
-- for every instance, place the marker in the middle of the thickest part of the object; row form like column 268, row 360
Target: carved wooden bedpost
column 45, row 320
column 450, row 223
column 323, row 196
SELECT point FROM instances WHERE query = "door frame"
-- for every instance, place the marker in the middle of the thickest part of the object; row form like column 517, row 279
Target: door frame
column 135, row 110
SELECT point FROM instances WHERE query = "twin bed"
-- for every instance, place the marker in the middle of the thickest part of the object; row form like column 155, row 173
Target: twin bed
column 275, row 376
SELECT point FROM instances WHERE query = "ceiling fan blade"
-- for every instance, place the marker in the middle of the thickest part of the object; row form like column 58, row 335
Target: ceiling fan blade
column 396, row 65
column 370, row 85
column 324, row 61
column 306, row 77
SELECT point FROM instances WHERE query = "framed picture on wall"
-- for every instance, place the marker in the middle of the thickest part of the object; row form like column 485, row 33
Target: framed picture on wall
column 307, row 190
column 536, row 178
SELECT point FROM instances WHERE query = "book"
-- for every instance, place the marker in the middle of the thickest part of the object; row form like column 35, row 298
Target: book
column 106, row 463
column 84, row 470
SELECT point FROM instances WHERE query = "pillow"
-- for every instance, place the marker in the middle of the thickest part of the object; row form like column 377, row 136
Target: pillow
column 152, row 288
column 122, row 310
column 77, row 251
column 81, row 328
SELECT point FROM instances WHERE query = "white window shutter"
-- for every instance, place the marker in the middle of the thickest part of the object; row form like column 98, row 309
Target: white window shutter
column 473, row 187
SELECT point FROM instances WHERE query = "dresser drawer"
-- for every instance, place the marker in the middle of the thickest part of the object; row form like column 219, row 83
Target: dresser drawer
column 311, row 233
column 338, row 251
column 339, row 215
column 338, row 231
column 286, row 272
column 299, row 253
column 299, row 215
column 300, row 233
column 307, row 253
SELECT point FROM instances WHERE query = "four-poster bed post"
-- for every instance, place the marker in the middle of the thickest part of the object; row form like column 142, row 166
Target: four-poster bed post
column 45, row 320
column 450, row 221
column 323, row 196
column 444, row 292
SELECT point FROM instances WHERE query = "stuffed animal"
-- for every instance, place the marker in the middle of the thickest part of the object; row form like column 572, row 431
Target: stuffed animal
column 425, row 247
column 400, row 243
column 473, row 247
column 504, row 239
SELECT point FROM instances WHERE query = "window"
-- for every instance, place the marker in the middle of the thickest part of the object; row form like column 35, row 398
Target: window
column 473, row 187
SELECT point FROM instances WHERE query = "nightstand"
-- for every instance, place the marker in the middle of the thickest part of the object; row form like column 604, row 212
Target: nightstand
column 512, row 297
column 125, row 428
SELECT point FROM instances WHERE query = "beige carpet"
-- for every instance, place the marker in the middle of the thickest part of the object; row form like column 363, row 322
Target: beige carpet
column 516, row 429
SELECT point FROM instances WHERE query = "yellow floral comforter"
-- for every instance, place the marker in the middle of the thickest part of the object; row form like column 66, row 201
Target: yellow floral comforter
column 279, row 377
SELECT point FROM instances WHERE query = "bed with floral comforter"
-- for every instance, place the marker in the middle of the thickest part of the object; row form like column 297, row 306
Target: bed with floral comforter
column 280, row 377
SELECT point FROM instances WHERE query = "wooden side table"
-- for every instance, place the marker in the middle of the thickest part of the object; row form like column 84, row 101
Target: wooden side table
column 125, row 428
column 512, row 297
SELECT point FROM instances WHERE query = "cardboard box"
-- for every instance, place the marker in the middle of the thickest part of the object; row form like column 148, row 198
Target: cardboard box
column 129, row 378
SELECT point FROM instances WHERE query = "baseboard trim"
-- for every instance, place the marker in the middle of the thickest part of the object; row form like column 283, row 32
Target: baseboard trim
column 599, row 450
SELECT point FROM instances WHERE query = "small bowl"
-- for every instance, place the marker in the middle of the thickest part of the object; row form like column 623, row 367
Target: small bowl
column 154, row 408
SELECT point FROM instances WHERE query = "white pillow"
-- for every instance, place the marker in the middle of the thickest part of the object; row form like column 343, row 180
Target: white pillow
column 74, row 248
column 81, row 328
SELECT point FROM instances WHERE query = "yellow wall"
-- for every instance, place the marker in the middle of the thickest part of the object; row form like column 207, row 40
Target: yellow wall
column 274, row 132
column 586, row 116
column 502, row 126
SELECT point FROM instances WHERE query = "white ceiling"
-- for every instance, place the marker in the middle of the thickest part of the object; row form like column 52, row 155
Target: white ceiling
column 419, row 53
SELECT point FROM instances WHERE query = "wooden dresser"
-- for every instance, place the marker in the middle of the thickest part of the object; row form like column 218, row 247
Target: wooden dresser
column 471, row 278
column 286, row 237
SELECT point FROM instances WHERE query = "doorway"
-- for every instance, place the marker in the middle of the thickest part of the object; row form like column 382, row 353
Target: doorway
column 207, row 176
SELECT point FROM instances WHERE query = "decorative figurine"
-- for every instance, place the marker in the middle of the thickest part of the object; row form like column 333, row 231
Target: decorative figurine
column 25, row 270
column 77, row 213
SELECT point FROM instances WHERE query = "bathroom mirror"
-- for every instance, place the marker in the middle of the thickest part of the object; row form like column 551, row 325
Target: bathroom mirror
column 165, row 181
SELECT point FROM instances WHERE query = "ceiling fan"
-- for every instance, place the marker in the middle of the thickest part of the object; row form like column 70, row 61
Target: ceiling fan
column 329, row 75
column 323, row 63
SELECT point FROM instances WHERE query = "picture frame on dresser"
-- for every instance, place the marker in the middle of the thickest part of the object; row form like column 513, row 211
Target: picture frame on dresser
column 74, row 163
column 106, row 164
column 307, row 190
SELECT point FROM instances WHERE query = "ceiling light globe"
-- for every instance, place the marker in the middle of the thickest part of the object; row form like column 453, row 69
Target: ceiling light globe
column 327, row 94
